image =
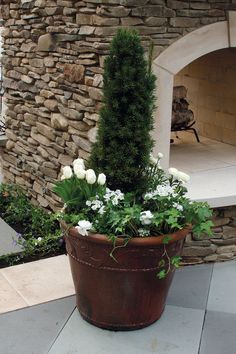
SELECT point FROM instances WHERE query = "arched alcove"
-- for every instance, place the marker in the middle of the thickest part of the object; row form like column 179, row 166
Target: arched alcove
column 184, row 51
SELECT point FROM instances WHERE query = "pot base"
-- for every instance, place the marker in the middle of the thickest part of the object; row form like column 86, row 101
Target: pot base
column 116, row 328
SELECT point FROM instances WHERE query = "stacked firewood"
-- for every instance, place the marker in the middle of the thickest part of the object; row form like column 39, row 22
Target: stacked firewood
column 181, row 115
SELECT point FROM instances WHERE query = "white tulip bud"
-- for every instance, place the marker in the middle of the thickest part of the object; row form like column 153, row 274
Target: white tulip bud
column 174, row 172
column 101, row 179
column 153, row 160
column 67, row 172
column 160, row 155
column 183, row 177
column 80, row 173
column 79, row 162
column 90, row 176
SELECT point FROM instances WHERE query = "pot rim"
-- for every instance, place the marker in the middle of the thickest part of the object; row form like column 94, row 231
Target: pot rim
column 134, row 241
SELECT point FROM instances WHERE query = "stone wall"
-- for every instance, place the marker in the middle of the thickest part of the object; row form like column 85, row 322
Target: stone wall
column 211, row 93
column 220, row 247
column 54, row 55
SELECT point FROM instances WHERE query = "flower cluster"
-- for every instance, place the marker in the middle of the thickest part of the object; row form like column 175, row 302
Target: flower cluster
column 114, row 196
column 96, row 205
column 162, row 208
column 161, row 191
column 81, row 173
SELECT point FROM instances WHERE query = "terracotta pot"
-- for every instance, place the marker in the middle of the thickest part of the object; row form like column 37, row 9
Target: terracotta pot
column 124, row 294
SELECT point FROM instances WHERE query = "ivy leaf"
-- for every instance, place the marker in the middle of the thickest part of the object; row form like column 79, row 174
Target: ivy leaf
column 161, row 274
column 166, row 239
column 175, row 261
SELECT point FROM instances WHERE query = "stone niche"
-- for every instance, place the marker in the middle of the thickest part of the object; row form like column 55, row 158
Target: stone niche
column 53, row 58
column 211, row 91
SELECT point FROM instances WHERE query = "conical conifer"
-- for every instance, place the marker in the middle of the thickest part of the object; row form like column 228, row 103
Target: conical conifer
column 124, row 143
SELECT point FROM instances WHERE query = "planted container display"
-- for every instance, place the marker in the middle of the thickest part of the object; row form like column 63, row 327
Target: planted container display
column 124, row 218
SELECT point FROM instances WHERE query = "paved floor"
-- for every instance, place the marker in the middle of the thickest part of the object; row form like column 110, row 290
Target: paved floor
column 211, row 165
column 200, row 318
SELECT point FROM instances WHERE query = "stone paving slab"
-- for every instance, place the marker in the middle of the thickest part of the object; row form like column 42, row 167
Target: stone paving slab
column 219, row 333
column 33, row 330
column 178, row 331
column 222, row 296
column 10, row 299
column 181, row 330
column 190, row 286
column 41, row 281
column 7, row 234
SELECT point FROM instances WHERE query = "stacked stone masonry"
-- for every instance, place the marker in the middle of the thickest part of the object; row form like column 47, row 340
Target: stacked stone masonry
column 54, row 52
column 221, row 246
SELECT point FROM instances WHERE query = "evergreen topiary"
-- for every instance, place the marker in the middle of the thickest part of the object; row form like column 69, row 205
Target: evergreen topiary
column 123, row 146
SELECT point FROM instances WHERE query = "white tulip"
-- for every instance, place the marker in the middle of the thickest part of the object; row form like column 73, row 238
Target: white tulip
column 83, row 227
column 79, row 162
column 79, row 171
column 183, row 177
column 160, row 155
column 101, row 179
column 173, row 171
column 67, row 172
column 153, row 160
column 90, row 176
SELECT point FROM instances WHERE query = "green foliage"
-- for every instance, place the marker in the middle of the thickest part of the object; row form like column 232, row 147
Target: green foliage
column 124, row 144
column 74, row 192
column 38, row 231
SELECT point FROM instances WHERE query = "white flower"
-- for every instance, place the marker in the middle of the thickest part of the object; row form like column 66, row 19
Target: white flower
column 67, row 172
column 183, row 177
column 101, row 179
column 153, row 160
column 83, row 227
column 160, row 155
column 146, row 217
column 161, row 191
column 101, row 211
column 143, row 232
column 113, row 196
column 79, row 171
column 173, row 171
column 90, row 176
column 39, row 239
column 178, row 206
column 79, row 162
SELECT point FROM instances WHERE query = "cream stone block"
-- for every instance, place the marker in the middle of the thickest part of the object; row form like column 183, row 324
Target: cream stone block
column 162, row 115
column 225, row 120
column 192, row 46
column 9, row 298
column 41, row 281
column 229, row 136
column 206, row 115
column 212, row 131
column 228, row 106
column 232, row 28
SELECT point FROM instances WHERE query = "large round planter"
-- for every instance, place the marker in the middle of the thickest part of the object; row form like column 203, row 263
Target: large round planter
column 124, row 294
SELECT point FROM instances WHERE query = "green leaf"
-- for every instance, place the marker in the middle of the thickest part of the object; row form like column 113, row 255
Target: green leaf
column 162, row 274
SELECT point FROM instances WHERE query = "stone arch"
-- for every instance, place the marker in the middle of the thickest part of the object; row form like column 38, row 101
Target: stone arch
column 219, row 35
